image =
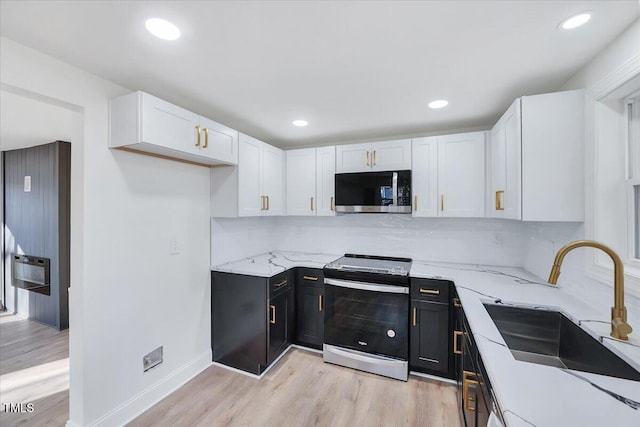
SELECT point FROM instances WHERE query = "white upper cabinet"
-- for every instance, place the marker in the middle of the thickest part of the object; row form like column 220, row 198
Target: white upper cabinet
column 424, row 179
column 537, row 156
column 505, row 197
column 301, row 182
column 325, row 181
column 310, row 181
column 141, row 122
column 376, row 156
column 461, row 174
column 253, row 188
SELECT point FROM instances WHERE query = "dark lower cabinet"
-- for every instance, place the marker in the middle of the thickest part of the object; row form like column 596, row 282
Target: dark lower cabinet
column 310, row 307
column 278, row 326
column 431, row 321
column 429, row 336
column 250, row 319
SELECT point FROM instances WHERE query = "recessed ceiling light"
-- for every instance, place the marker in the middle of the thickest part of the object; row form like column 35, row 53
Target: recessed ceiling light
column 575, row 21
column 440, row 103
column 300, row 123
column 162, row 29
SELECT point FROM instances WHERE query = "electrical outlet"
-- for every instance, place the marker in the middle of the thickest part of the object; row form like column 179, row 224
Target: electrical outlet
column 152, row 359
column 174, row 249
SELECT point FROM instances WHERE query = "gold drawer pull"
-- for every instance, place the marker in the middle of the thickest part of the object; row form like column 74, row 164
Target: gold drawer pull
column 198, row 141
column 312, row 204
column 415, row 316
column 456, row 302
column 429, row 291
column 499, row 206
column 415, row 203
column 273, row 314
column 374, row 157
column 319, row 302
column 262, row 208
column 267, row 202
column 313, row 278
column 332, row 208
column 442, row 202
column 456, row 334
column 466, row 382
column 284, row 282
column 367, row 157
column 206, row 138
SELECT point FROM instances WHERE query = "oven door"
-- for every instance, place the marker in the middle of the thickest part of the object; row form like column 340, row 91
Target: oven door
column 367, row 317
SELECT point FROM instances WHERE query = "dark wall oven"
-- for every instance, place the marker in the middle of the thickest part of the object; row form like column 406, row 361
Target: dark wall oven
column 366, row 322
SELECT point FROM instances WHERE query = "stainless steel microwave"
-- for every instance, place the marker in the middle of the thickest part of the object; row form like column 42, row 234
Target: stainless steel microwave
column 374, row 192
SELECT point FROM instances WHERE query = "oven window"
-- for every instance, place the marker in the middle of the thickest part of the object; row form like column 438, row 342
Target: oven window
column 374, row 322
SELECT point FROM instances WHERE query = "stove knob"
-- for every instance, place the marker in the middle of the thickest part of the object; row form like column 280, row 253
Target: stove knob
column 391, row 333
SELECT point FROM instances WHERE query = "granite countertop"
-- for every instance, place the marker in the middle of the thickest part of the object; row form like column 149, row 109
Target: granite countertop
column 531, row 394
column 528, row 394
column 274, row 262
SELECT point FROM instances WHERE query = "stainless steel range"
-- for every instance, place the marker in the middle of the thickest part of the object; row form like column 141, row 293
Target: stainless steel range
column 366, row 323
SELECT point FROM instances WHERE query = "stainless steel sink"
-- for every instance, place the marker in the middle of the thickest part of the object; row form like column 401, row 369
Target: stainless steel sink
column 549, row 338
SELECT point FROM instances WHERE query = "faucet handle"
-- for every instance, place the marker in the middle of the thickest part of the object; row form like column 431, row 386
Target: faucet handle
column 619, row 326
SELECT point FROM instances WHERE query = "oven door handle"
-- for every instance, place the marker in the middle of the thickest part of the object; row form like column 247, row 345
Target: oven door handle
column 365, row 286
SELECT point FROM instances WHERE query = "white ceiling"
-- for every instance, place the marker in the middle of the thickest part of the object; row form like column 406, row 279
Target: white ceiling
column 354, row 70
column 25, row 122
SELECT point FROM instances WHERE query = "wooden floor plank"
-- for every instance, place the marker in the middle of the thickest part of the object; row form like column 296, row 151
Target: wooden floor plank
column 302, row 390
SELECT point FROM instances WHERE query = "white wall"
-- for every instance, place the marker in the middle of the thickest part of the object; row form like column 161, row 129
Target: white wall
column 128, row 295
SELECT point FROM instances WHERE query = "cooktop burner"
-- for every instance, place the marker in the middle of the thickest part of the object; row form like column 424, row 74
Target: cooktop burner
column 372, row 264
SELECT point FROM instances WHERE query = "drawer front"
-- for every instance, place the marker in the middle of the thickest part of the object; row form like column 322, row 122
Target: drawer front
column 430, row 290
column 310, row 277
column 279, row 283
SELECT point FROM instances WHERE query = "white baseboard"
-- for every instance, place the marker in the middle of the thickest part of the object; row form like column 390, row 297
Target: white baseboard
column 70, row 423
column 152, row 395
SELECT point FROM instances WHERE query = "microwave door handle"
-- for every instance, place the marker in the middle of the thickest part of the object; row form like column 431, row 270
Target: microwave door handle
column 394, row 188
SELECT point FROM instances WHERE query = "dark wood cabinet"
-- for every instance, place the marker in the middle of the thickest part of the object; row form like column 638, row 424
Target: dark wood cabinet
column 429, row 336
column 431, row 321
column 250, row 319
column 310, row 307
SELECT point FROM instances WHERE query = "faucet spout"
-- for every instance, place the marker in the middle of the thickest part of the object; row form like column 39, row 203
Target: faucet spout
column 620, row 329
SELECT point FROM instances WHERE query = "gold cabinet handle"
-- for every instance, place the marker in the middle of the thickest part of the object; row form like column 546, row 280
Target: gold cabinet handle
column 331, row 204
column 367, row 157
column 312, row 278
column 273, row 314
column 456, row 335
column 319, row 302
column 468, row 379
column 442, row 202
column 415, row 203
column 456, row 302
column 374, row 157
column 312, row 204
column 267, row 202
column 284, row 282
column 198, row 141
column 499, row 206
column 429, row 291
column 415, row 316
column 206, row 138
column 261, row 203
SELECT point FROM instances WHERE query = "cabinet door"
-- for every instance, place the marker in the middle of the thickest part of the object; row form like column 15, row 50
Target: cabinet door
column 168, row 125
column 498, row 170
column 512, row 202
column 461, row 176
column 325, row 181
column 278, row 325
column 552, row 157
column 218, row 142
column 429, row 338
column 424, row 180
column 273, row 179
column 391, row 155
column 310, row 315
column 353, row 158
column 301, row 182
column 250, row 202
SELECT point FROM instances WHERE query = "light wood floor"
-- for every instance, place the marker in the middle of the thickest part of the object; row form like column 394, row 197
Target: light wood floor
column 34, row 368
column 303, row 391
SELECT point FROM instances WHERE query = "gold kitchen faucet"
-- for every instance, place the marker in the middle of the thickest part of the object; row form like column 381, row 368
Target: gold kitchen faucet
column 620, row 329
